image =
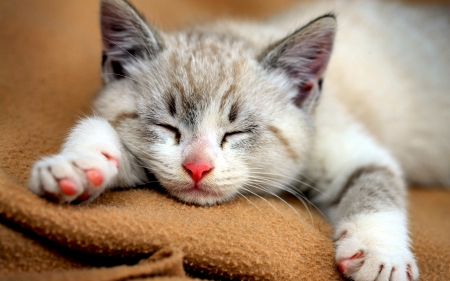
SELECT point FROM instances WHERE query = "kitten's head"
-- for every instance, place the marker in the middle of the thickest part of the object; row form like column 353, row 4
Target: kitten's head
column 209, row 114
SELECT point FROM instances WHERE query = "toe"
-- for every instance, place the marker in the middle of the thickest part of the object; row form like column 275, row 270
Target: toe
column 412, row 271
column 67, row 187
column 384, row 274
column 94, row 176
column 345, row 264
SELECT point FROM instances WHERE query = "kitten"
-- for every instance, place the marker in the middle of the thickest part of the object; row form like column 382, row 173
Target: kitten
column 229, row 107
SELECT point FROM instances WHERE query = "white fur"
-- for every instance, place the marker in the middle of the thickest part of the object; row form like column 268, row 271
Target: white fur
column 83, row 151
column 389, row 68
column 342, row 145
column 383, row 239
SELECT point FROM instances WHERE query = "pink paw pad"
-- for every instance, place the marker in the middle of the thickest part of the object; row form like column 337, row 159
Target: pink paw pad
column 94, row 176
column 67, row 187
column 343, row 264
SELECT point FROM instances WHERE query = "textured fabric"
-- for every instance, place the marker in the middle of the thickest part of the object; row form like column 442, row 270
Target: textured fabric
column 166, row 264
column 49, row 72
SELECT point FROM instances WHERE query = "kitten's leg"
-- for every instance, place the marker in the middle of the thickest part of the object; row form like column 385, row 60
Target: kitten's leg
column 91, row 160
column 371, row 234
column 364, row 196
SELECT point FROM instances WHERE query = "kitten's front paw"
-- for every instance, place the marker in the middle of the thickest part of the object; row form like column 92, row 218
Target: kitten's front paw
column 375, row 247
column 68, row 177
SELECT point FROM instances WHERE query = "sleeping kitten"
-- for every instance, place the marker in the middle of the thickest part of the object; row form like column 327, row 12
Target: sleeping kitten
column 230, row 107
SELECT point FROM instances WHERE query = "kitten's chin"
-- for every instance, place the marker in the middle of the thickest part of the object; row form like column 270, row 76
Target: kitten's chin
column 201, row 196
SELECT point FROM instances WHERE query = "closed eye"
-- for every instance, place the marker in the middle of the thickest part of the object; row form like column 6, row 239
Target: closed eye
column 231, row 134
column 172, row 129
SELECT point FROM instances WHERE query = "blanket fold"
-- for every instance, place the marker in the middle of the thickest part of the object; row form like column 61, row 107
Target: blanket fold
column 166, row 262
column 237, row 239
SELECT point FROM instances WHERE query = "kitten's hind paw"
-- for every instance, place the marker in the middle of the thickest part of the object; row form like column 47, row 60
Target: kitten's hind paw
column 375, row 247
column 73, row 177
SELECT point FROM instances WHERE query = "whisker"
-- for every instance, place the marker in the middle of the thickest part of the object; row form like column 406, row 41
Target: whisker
column 141, row 150
column 265, row 169
column 256, row 185
column 284, row 186
column 293, row 179
column 249, row 201
column 293, row 192
column 262, row 198
column 146, row 156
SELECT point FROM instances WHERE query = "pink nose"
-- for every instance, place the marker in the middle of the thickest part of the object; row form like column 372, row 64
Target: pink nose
column 197, row 172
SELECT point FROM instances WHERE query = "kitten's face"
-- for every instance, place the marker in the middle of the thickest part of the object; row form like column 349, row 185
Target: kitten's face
column 207, row 118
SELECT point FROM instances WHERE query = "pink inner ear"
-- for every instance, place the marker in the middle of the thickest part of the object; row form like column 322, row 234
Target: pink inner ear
column 303, row 92
column 319, row 64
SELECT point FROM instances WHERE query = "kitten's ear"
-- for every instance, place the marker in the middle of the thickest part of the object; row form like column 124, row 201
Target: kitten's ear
column 303, row 56
column 127, row 38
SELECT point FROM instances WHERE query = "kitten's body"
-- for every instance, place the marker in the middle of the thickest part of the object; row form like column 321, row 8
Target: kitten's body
column 213, row 111
column 389, row 68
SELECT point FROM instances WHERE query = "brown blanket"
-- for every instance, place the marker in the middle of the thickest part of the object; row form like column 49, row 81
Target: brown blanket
column 49, row 72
